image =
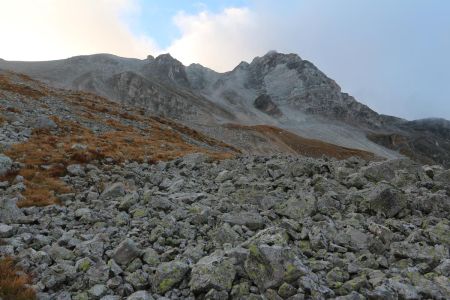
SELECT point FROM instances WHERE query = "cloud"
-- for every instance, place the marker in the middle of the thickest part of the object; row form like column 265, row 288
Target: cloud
column 391, row 55
column 219, row 40
column 53, row 29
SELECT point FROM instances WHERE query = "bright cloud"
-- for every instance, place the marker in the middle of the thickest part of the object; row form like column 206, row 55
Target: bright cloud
column 53, row 29
column 219, row 41
column 392, row 55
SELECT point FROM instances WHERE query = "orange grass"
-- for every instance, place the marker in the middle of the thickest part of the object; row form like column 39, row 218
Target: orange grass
column 56, row 152
column 14, row 284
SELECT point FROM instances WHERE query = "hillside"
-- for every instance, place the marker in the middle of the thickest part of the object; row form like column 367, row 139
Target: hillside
column 280, row 90
column 104, row 200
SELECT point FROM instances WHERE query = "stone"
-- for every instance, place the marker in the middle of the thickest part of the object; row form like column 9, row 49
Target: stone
column 168, row 275
column 113, row 191
column 6, row 231
column 387, row 200
column 403, row 290
column 128, row 201
column 5, row 164
column 336, row 277
column 58, row 253
column 212, row 272
column 140, row 295
column 138, row 279
column 9, row 212
column 97, row 291
column 254, row 221
column 269, row 266
column 44, row 122
column 151, row 257
column 125, row 252
column 76, row 170
column 420, row 252
column 216, row 295
column 297, row 208
column 286, row 290
column 354, row 284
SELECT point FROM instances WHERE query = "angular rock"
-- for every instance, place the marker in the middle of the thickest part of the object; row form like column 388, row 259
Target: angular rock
column 5, row 164
column 9, row 212
column 6, row 231
column 168, row 275
column 113, row 191
column 212, row 272
column 125, row 252
column 270, row 266
column 140, row 295
column 252, row 220
column 387, row 200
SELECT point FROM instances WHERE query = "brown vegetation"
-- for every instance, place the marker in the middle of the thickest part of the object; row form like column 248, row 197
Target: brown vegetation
column 18, row 88
column 295, row 144
column 14, row 284
column 46, row 155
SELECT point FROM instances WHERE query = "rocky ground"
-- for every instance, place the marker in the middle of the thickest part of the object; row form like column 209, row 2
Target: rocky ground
column 244, row 228
column 104, row 201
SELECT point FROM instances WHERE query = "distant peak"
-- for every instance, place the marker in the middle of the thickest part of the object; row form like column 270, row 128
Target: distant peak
column 273, row 58
column 271, row 53
column 242, row 65
column 165, row 56
column 150, row 57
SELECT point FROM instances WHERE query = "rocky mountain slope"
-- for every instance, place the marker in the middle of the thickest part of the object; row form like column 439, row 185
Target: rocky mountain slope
column 102, row 200
column 246, row 228
column 280, row 90
column 276, row 90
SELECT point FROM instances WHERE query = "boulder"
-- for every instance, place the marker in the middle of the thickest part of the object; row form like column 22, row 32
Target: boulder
column 113, row 191
column 270, row 266
column 252, row 220
column 212, row 272
column 387, row 200
column 5, row 164
column 167, row 275
column 125, row 252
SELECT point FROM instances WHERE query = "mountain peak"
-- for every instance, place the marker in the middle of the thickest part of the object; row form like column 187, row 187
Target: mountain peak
column 166, row 58
column 273, row 58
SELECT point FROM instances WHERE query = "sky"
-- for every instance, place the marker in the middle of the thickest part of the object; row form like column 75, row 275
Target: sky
column 393, row 56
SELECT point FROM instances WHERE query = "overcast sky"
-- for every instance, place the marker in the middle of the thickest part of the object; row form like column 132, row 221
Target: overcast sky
column 391, row 55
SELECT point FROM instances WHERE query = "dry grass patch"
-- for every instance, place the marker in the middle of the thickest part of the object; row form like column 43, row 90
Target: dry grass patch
column 14, row 284
column 45, row 155
column 294, row 143
column 21, row 89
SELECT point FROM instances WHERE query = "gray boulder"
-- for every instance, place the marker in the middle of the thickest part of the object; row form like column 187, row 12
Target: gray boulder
column 270, row 266
column 212, row 272
column 387, row 200
column 44, row 122
column 167, row 275
column 6, row 231
column 75, row 170
column 125, row 252
column 5, row 164
column 140, row 295
column 252, row 220
column 113, row 191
